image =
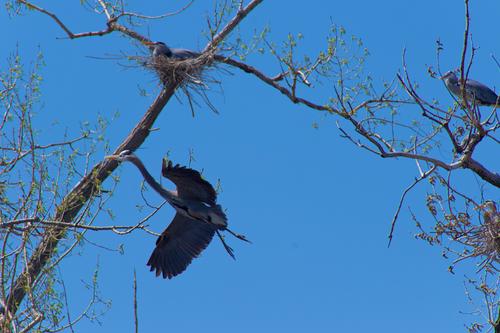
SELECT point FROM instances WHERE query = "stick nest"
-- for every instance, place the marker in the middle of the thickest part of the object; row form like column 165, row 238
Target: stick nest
column 487, row 235
column 183, row 71
column 193, row 75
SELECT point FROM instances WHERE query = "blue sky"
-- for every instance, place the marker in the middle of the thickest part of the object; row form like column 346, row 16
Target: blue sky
column 316, row 208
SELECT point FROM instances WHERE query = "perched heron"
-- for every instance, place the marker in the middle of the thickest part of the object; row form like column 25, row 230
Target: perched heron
column 476, row 91
column 161, row 49
column 198, row 217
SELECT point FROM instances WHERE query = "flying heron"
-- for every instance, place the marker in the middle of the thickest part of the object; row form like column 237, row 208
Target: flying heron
column 198, row 217
column 161, row 49
column 476, row 91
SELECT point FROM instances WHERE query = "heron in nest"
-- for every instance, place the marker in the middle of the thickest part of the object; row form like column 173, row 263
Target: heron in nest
column 476, row 91
column 160, row 49
column 198, row 217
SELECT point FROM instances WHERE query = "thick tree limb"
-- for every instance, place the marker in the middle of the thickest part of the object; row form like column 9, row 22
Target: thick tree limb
column 90, row 184
column 79, row 195
column 487, row 175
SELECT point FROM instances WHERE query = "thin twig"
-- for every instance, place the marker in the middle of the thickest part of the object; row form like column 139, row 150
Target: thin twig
column 157, row 17
column 401, row 200
column 136, row 318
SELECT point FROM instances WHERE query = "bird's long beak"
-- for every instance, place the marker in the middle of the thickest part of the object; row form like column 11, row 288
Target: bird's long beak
column 145, row 42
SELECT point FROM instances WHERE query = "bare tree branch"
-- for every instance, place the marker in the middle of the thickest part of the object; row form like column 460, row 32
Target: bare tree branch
column 156, row 17
column 273, row 83
column 240, row 15
column 63, row 26
column 408, row 189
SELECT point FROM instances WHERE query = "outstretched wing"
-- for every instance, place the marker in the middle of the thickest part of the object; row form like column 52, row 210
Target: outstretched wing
column 182, row 241
column 189, row 183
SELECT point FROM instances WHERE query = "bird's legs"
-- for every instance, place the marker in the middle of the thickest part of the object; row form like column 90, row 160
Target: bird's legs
column 239, row 236
column 228, row 249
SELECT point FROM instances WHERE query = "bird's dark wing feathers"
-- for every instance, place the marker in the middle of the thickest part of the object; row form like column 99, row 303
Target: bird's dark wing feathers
column 189, row 183
column 182, row 241
column 184, row 53
column 482, row 93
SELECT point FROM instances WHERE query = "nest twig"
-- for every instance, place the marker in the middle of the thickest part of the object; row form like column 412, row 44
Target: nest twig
column 487, row 235
column 185, row 71
column 484, row 239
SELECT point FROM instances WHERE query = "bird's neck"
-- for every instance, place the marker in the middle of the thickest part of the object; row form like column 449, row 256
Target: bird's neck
column 168, row 195
column 453, row 86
